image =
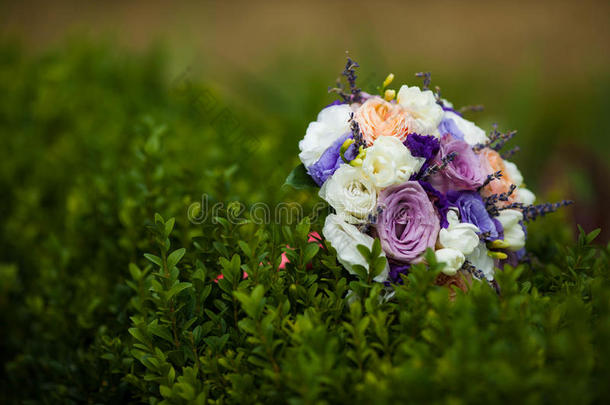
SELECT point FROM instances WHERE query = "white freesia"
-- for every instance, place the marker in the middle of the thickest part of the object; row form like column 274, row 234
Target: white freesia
column 472, row 133
column 482, row 261
column 514, row 236
column 458, row 235
column 344, row 238
column 452, row 258
column 332, row 122
column 423, row 111
column 351, row 193
column 525, row 196
column 389, row 162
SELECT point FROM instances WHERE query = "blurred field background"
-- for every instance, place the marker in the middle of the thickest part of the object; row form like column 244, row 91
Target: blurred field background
column 538, row 67
column 112, row 111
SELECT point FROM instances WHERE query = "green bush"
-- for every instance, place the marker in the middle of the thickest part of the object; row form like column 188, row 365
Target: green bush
column 104, row 301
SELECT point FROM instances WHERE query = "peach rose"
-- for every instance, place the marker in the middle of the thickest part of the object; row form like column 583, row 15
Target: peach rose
column 494, row 163
column 377, row 117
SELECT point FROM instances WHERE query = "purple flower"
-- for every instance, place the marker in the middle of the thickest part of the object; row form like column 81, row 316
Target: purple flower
column 408, row 223
column 396, row 269
column 472, row 210
column 330, row 160
column 445, row 108
column 448, row 126
column 425, row 146
column 464, row 172
column 336, row 102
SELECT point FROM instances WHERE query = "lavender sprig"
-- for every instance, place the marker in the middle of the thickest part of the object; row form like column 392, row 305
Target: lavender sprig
column 532, row 212
column 496, row 141
column 490, row 178
column 370, row 220
column 492, row 200
column 509, row 153
column 473, row 108
column 476, row 273
column 435, row 168
column 355, row 128
column 353, row 96
column 437, row 95
column 350, row 74
column 427, row 76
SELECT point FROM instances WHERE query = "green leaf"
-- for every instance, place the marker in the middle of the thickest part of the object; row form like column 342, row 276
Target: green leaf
column 364, row 251
column 155, row 259
column 169, row 226
column 136, row 273
column 310, row 252
column 137, row 333
column 175, row 257
column 245, row 248
column 160, row 331
column 592, row 235
column 299, row 179
column 177, row 288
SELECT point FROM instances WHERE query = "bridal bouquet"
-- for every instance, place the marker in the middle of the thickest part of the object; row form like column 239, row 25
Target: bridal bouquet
column 407, row 168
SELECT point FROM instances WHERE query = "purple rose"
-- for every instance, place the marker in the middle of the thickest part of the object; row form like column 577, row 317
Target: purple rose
column 439, row 200
column 464, row 172
column 408, row 223
column 472, row 210
column 330, row 160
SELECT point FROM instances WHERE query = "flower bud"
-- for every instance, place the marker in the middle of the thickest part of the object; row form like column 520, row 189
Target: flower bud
column 388, row 80
column 389, row 94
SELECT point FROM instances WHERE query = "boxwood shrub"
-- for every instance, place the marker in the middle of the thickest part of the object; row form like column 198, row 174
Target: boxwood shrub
column 109, row 293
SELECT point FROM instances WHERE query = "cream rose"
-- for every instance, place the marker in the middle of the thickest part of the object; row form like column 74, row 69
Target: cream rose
column 389, row 162
column 332, row 122
column 423, row 113
column 351, row 193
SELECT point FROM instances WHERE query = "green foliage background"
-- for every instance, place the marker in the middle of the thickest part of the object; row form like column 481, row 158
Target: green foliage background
column 102, row 301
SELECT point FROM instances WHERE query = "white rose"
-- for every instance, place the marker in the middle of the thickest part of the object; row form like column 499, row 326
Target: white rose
column 423, row 111
column 458, row 235
column 482, row 261
column 525, row 196
column 389, row 162
column 514, row 235
column 351, row 193
column 472, row 134
column 332, row 122
column 452, row 258
column 512, row 171
column 344, row 238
